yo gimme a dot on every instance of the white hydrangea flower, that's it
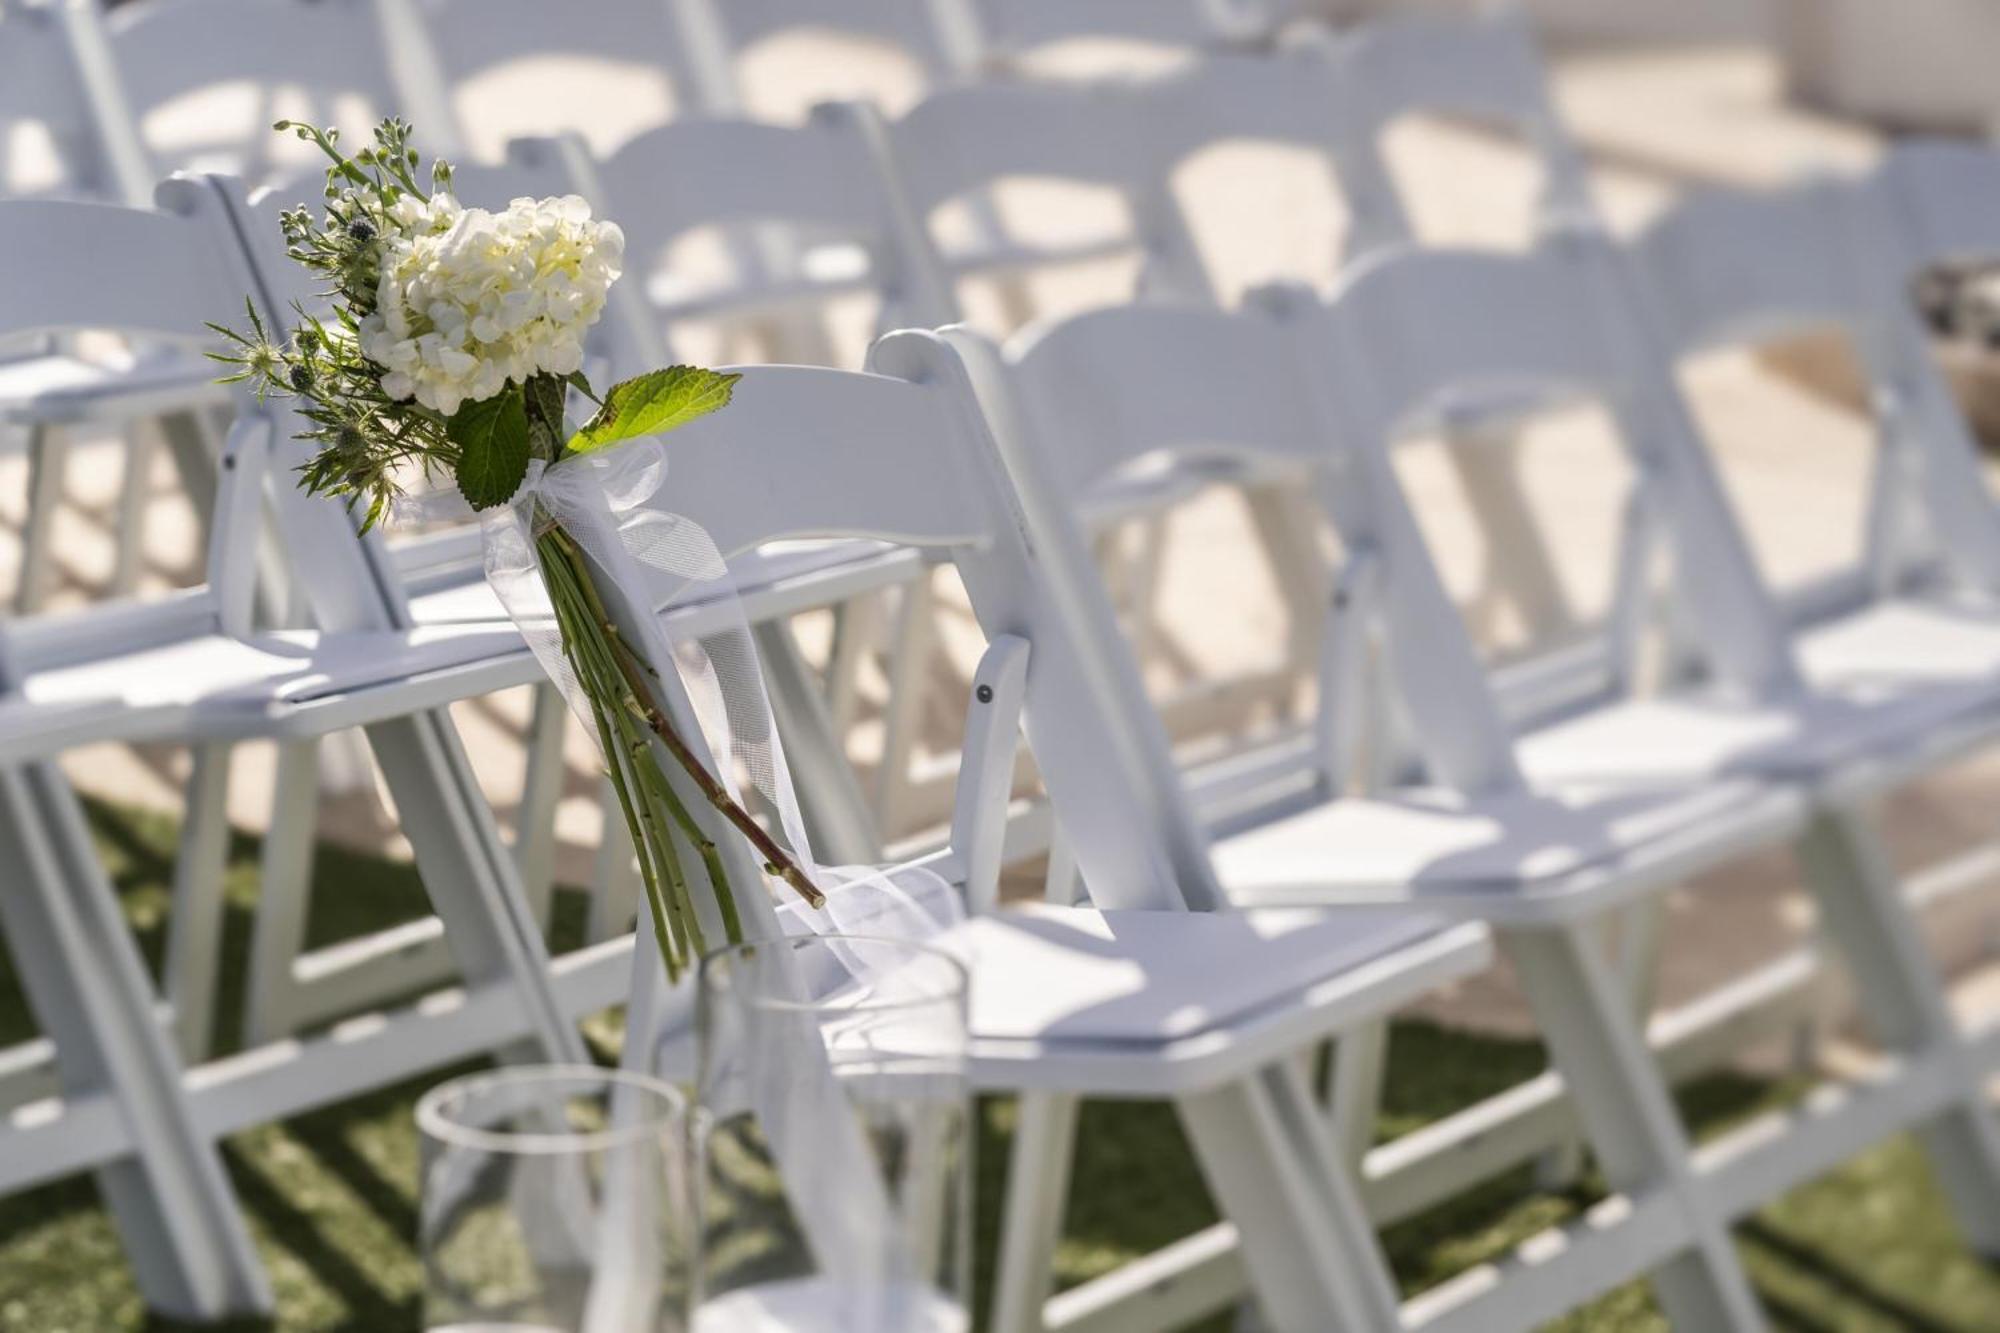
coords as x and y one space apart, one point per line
470 300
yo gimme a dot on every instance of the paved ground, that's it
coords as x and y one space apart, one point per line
1653 123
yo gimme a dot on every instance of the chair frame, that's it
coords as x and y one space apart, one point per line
922 469
511 1001
124 1110
1389 354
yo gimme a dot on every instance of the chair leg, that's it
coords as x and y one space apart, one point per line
170 1199
48 451
278 935
194 940
469 876
1062 880
1634 1129
541 793
1143 568
134 488
1315 1264
1360 1062
1905 1003
1633 941
1031 1224
909 667
195 445
1488 464
859 627
1289 533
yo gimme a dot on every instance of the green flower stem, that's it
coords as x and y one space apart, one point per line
777 861
563 598
613 682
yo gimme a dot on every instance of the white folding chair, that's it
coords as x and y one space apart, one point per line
1334 99
1836 255
1938 193
191 669
188 669
1401 338
1484 67
1108 1000
1129 138
1899 652
949 43
123 1110
1103 390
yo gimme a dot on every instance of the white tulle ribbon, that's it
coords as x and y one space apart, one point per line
609 503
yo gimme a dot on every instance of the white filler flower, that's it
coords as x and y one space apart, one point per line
471 299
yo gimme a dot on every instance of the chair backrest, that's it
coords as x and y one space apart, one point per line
1126 136
250 61
715 34
469 40
68 266
1109 389
1484 67
828 179
1411 330
903 454
156 274
49 144
1726 268
1080 401
1010 28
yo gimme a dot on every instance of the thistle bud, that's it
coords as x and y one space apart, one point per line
361 229
301 377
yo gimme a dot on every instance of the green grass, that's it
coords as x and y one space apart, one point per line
331 1195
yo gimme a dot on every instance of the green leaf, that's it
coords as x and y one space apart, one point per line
492 440
653 404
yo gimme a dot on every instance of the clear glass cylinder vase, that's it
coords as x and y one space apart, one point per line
836 1129
556 1200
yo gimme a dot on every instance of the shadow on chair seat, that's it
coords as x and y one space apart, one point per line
1159 1003
1861 729
1507 856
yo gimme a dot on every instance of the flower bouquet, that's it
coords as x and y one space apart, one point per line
452 342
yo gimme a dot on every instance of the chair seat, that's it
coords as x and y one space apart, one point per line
1880 725
1892 643
61 389
1514 856
1148 1003
216 686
